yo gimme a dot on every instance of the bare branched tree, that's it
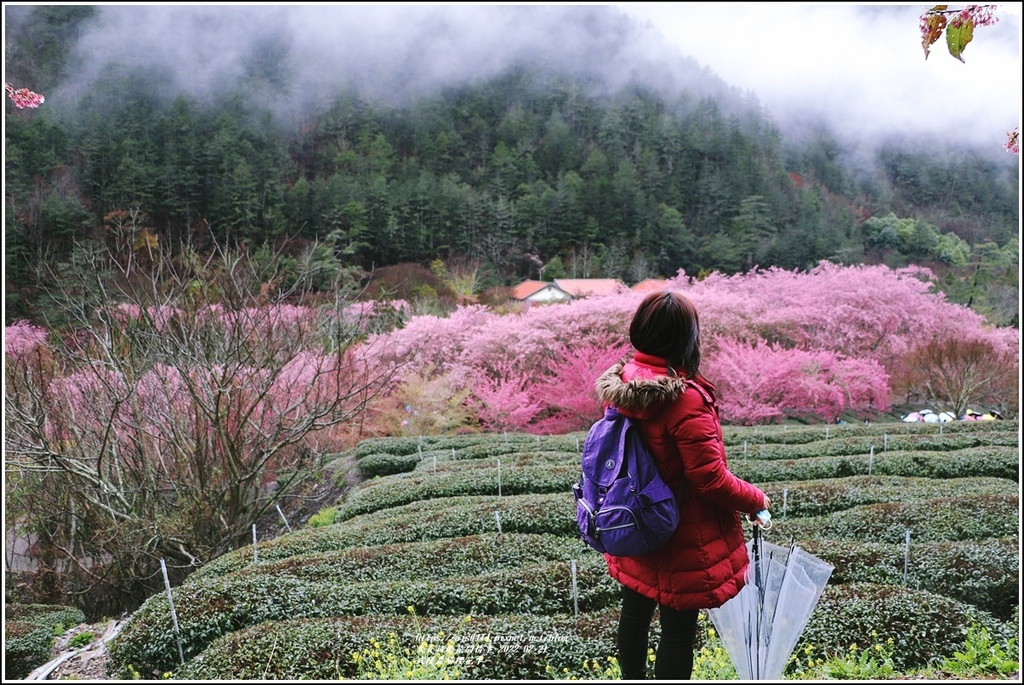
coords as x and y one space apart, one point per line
955 374
167 414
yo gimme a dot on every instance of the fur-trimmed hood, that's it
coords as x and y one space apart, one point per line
642 395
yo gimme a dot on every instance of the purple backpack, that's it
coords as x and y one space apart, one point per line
623 507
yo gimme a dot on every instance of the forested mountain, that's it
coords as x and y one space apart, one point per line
529 171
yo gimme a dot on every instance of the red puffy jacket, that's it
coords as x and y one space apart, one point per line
704 562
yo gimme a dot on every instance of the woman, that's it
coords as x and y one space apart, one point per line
704 562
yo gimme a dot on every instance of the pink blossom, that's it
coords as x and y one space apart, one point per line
568 389
979 15
763 383
503 397
23 97
1012 143
22 337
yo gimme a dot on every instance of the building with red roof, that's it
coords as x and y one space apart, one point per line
562 289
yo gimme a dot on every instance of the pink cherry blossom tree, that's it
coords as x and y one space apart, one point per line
778 343
167 416
763 383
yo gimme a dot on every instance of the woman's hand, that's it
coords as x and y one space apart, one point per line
766 521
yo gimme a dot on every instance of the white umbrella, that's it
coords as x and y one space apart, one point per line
761 625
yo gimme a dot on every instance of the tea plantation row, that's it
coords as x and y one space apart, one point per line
426 550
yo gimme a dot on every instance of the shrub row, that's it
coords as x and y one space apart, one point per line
857 508
483 441
436 559
803 496
978 572
385 464
733 435
962 517
518 647
551 513
861 450
206 610
988 461
831 495
982 573
511 460
26 647
49 615
922 625
787 434
28 634
395 491
865 445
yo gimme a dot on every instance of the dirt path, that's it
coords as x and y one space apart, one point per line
89 662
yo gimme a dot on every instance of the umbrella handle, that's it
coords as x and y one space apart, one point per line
762 519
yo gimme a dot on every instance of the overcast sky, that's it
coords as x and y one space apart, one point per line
862 66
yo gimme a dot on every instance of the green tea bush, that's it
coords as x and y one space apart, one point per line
426 537
384 464
26 647
989 461
490 443
517 646
794 435
552 513
209 609
511 460
49 615
29 631
432 558
818 497
864 445
966 517
392 492
922 625
982 573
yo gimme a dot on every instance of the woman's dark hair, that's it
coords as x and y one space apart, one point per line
666 325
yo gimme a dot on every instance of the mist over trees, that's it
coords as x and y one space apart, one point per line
528 168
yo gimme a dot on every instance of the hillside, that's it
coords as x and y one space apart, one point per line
433 551
570 169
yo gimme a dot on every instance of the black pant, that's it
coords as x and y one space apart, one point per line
674 660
